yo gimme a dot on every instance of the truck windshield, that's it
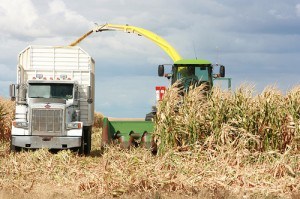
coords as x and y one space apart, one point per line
44 90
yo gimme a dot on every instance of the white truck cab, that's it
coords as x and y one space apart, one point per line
54 99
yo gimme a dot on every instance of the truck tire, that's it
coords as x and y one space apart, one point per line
81 148
87 140
13 148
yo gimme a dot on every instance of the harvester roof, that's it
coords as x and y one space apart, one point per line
192 61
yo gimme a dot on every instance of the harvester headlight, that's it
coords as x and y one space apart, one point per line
18 124
74 125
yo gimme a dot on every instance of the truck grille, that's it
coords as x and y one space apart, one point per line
47 121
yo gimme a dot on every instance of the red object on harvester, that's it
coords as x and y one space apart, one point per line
160 91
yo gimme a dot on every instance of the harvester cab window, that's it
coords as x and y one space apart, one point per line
43 90
190 71
185 71
202 73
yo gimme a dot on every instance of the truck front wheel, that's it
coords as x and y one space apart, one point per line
87 140
14 148
81 148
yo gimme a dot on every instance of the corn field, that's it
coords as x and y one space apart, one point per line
211 145
269 121
6 117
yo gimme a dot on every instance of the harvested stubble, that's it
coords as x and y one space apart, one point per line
199 173
211 147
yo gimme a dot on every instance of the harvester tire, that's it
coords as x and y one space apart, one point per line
150 116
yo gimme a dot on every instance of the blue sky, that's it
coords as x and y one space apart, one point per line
257 41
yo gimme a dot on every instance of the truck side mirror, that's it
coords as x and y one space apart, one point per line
89 95
76 92
12 92
161 70
222 71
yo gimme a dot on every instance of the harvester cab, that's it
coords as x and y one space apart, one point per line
192 72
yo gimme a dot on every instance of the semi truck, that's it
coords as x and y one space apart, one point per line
54 96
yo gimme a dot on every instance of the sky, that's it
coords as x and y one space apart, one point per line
258 41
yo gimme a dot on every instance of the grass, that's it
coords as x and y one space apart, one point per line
223 145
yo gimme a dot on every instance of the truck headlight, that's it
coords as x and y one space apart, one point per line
74 125
18 124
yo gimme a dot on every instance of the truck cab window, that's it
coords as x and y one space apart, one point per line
46 90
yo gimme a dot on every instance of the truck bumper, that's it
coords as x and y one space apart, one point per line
36 142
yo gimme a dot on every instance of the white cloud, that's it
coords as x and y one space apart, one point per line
60 12
19 18
277 14
57 6
298 10
27 20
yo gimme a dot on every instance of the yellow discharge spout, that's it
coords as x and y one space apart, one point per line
81 38
162 43
170 50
